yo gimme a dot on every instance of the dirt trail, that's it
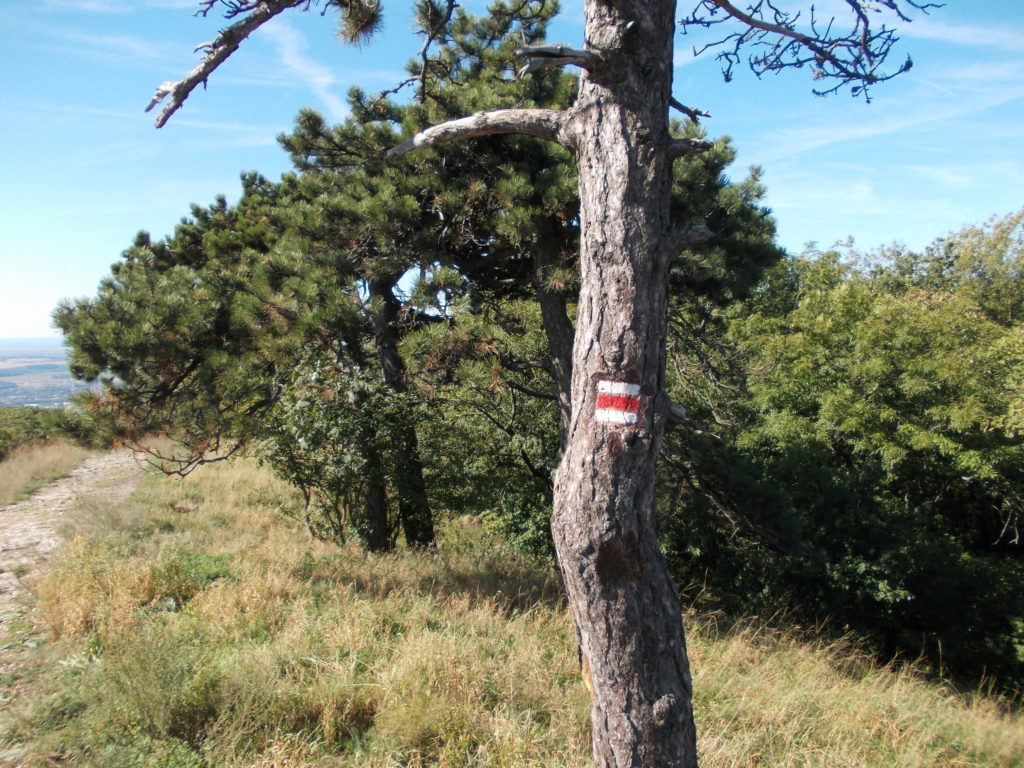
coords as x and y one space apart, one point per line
28 529
28 534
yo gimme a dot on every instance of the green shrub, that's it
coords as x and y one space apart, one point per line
24 425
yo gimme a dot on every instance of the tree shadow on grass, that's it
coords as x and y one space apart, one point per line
483 572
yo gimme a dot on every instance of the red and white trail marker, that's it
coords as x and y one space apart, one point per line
617 402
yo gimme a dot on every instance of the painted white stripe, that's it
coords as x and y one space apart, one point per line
615 416
618 388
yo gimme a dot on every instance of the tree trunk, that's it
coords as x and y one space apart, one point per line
624 603
374 528
413 507
557 325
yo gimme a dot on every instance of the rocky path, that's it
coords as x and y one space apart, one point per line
28 529
28 535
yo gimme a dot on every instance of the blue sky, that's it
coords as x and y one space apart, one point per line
84 169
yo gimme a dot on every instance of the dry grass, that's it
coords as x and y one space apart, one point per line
199 628
29 468
774 698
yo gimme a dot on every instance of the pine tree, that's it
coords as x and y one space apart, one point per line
625 606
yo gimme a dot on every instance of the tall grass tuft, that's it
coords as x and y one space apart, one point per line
196 626
29 468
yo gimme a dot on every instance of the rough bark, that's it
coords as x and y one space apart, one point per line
624 603
413 507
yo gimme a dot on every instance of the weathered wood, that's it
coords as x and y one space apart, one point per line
551 55
681 238
691 112
217 52
682 147
542 123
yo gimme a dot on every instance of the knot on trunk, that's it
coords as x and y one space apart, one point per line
618 559
663 707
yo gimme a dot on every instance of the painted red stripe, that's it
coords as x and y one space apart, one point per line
618 402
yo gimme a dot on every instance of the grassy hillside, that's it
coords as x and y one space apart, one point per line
28 468
196 626
39 445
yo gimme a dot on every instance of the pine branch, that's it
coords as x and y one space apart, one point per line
542 123
690 112
217 51
682 238
683 147
435 26
678 415
542 56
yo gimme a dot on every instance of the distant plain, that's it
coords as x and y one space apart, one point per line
35 372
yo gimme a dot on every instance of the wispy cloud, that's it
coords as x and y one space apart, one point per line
115 6
968 91
788 142
116 48
211 132
987 76
287 80
90 6
36 110
685 54
248 138
978 173
809 192
948 177
915 201
292 48
1008 37
118 153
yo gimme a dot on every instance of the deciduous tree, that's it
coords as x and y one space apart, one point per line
878 414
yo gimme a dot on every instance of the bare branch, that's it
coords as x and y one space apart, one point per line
527 391
382 96
682 147
782 39
542 56
218 51
690 112
542 123
678 414
232 8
